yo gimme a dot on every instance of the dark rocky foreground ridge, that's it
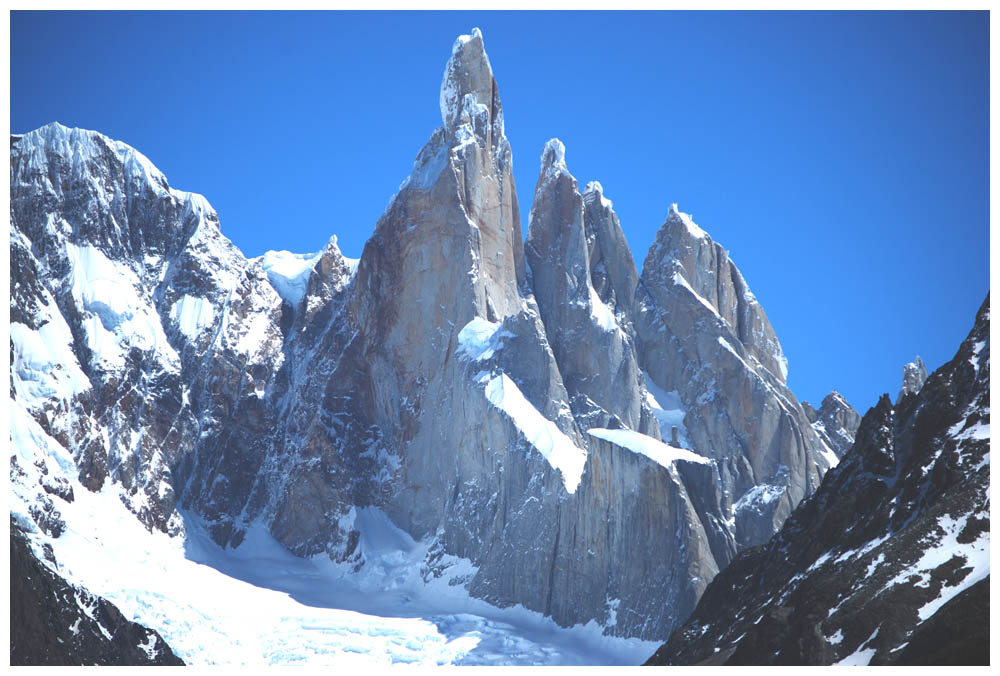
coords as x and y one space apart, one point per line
511 400
888 562
53 623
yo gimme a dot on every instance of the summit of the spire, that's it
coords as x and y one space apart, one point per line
554 153
468 80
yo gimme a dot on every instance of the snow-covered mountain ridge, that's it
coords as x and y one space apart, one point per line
507 403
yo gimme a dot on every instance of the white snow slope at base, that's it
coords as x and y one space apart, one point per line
260 605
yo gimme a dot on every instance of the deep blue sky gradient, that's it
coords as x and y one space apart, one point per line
841 158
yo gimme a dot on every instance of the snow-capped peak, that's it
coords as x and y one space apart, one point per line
687 220
83 148
554 158
468 72
81 145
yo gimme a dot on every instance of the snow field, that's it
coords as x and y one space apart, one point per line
667 409
259 605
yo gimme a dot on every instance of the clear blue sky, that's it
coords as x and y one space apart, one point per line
841 158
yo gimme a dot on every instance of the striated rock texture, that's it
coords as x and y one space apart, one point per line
702 334
914 375
573 249
836 422
511 404
53 623
888 563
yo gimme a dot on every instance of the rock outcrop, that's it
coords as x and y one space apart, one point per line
836 422
914 375
892 549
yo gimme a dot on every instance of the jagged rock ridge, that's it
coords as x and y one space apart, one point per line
836 422
888 562
513 403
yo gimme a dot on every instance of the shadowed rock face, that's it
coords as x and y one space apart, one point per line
506 401
888 562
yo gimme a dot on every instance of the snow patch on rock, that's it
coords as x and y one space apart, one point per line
192 315
479 339
688 222
560 451
667 409
657 451
601 313
44 367
116 318
596 188
759 497
679 280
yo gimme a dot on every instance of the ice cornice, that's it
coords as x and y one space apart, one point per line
593 190
553 159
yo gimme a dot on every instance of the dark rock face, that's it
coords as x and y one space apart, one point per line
507 401
958 634
888 561
54 623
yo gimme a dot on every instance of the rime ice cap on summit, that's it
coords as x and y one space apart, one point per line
554 153
553 160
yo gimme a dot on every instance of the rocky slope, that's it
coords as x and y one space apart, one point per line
888 563
510 403
56 624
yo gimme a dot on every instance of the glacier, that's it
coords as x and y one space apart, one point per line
259 605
